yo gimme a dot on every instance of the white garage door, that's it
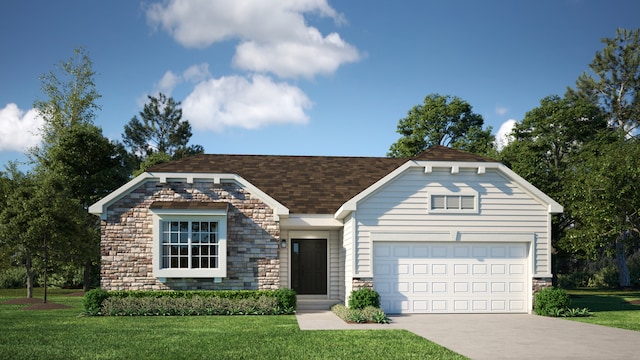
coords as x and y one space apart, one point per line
418 277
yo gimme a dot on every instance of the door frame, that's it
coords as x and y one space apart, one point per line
308 235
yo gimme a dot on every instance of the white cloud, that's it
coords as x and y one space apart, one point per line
18 129
503 136
274 36
196 73
168 83
249 103
501 110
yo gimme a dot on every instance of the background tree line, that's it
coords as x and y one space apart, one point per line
580 148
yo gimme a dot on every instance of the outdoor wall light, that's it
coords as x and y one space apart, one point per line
283 243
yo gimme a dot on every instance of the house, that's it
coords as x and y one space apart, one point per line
443 232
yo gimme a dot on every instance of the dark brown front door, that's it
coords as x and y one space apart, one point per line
309 266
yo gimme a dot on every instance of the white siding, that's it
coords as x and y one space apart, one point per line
401 206
347 256
333 290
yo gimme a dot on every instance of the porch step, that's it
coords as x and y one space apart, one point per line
316 304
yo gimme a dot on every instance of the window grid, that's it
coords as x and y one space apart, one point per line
189 240
452 202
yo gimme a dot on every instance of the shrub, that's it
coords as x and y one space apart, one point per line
93 300
368 314
199 302
607 277
13 278
364 297
196 305
549 300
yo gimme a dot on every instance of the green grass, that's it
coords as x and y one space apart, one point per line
609 307
65 334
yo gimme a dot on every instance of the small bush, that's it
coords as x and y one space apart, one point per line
93 300
549 300
364 297
369 314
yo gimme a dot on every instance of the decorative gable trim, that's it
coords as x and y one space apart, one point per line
100 207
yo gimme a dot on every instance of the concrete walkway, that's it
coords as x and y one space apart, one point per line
501 336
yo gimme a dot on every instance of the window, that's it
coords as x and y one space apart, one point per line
189 244
460 203
190 240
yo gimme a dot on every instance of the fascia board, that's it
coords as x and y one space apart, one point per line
99 208
552 206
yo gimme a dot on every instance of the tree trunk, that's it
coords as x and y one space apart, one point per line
621 260
29 271
46 265
86 276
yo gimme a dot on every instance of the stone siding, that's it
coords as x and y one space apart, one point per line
253 237
359 283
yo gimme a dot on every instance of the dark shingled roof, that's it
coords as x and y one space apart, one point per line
308 184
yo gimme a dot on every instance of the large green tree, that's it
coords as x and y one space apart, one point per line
614 85
604 199
159 130
544 146
442 120
92 166
75 155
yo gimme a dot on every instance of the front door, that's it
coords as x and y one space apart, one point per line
309 266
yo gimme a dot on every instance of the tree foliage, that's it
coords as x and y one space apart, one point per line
614 84
544 144
160 129
442 120
604 199
71 98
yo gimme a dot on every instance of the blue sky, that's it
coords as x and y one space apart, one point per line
300 77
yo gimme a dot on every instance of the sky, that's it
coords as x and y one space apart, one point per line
299 77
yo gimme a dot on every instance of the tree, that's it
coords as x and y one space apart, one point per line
160 130
92 167
13 239
545 144
441 120
74 158
605 200
614 87
615 83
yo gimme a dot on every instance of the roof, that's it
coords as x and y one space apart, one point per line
309 184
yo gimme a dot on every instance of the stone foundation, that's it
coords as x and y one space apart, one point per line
253 237
359 283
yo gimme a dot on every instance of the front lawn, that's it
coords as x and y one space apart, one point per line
63 334
614 308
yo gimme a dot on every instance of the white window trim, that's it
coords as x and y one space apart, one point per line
176 215
476 203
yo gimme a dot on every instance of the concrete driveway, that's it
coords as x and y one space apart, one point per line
503 336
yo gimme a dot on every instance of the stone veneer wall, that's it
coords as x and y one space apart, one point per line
127 239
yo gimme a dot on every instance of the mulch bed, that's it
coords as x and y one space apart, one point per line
36 304
634 302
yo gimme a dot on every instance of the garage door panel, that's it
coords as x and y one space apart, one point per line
449 278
